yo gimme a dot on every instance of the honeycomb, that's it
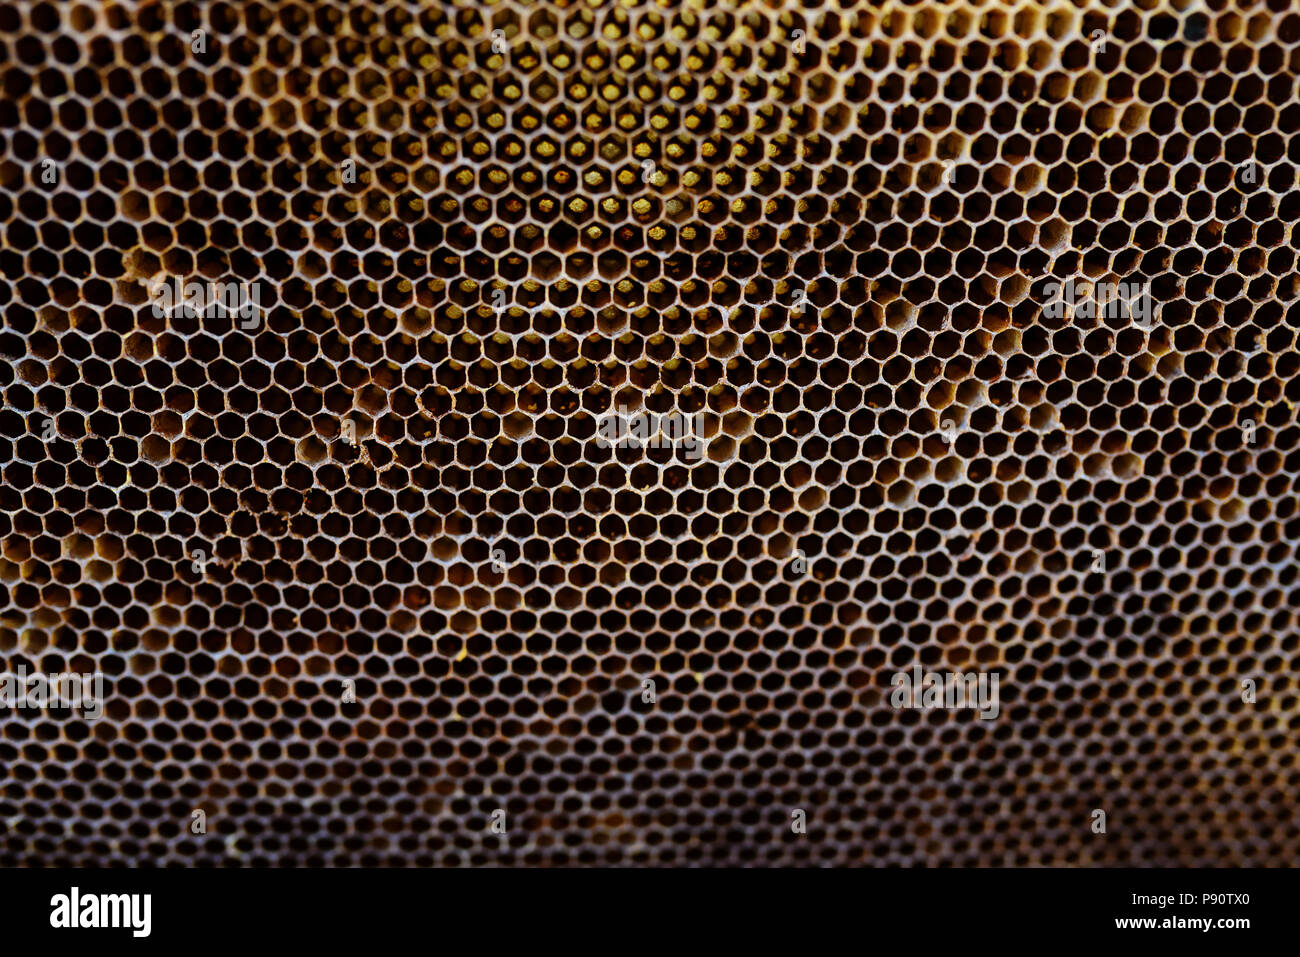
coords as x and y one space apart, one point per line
366 586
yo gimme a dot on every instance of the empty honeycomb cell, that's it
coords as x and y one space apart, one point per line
368 583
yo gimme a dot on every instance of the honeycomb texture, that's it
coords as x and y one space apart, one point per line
477 227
